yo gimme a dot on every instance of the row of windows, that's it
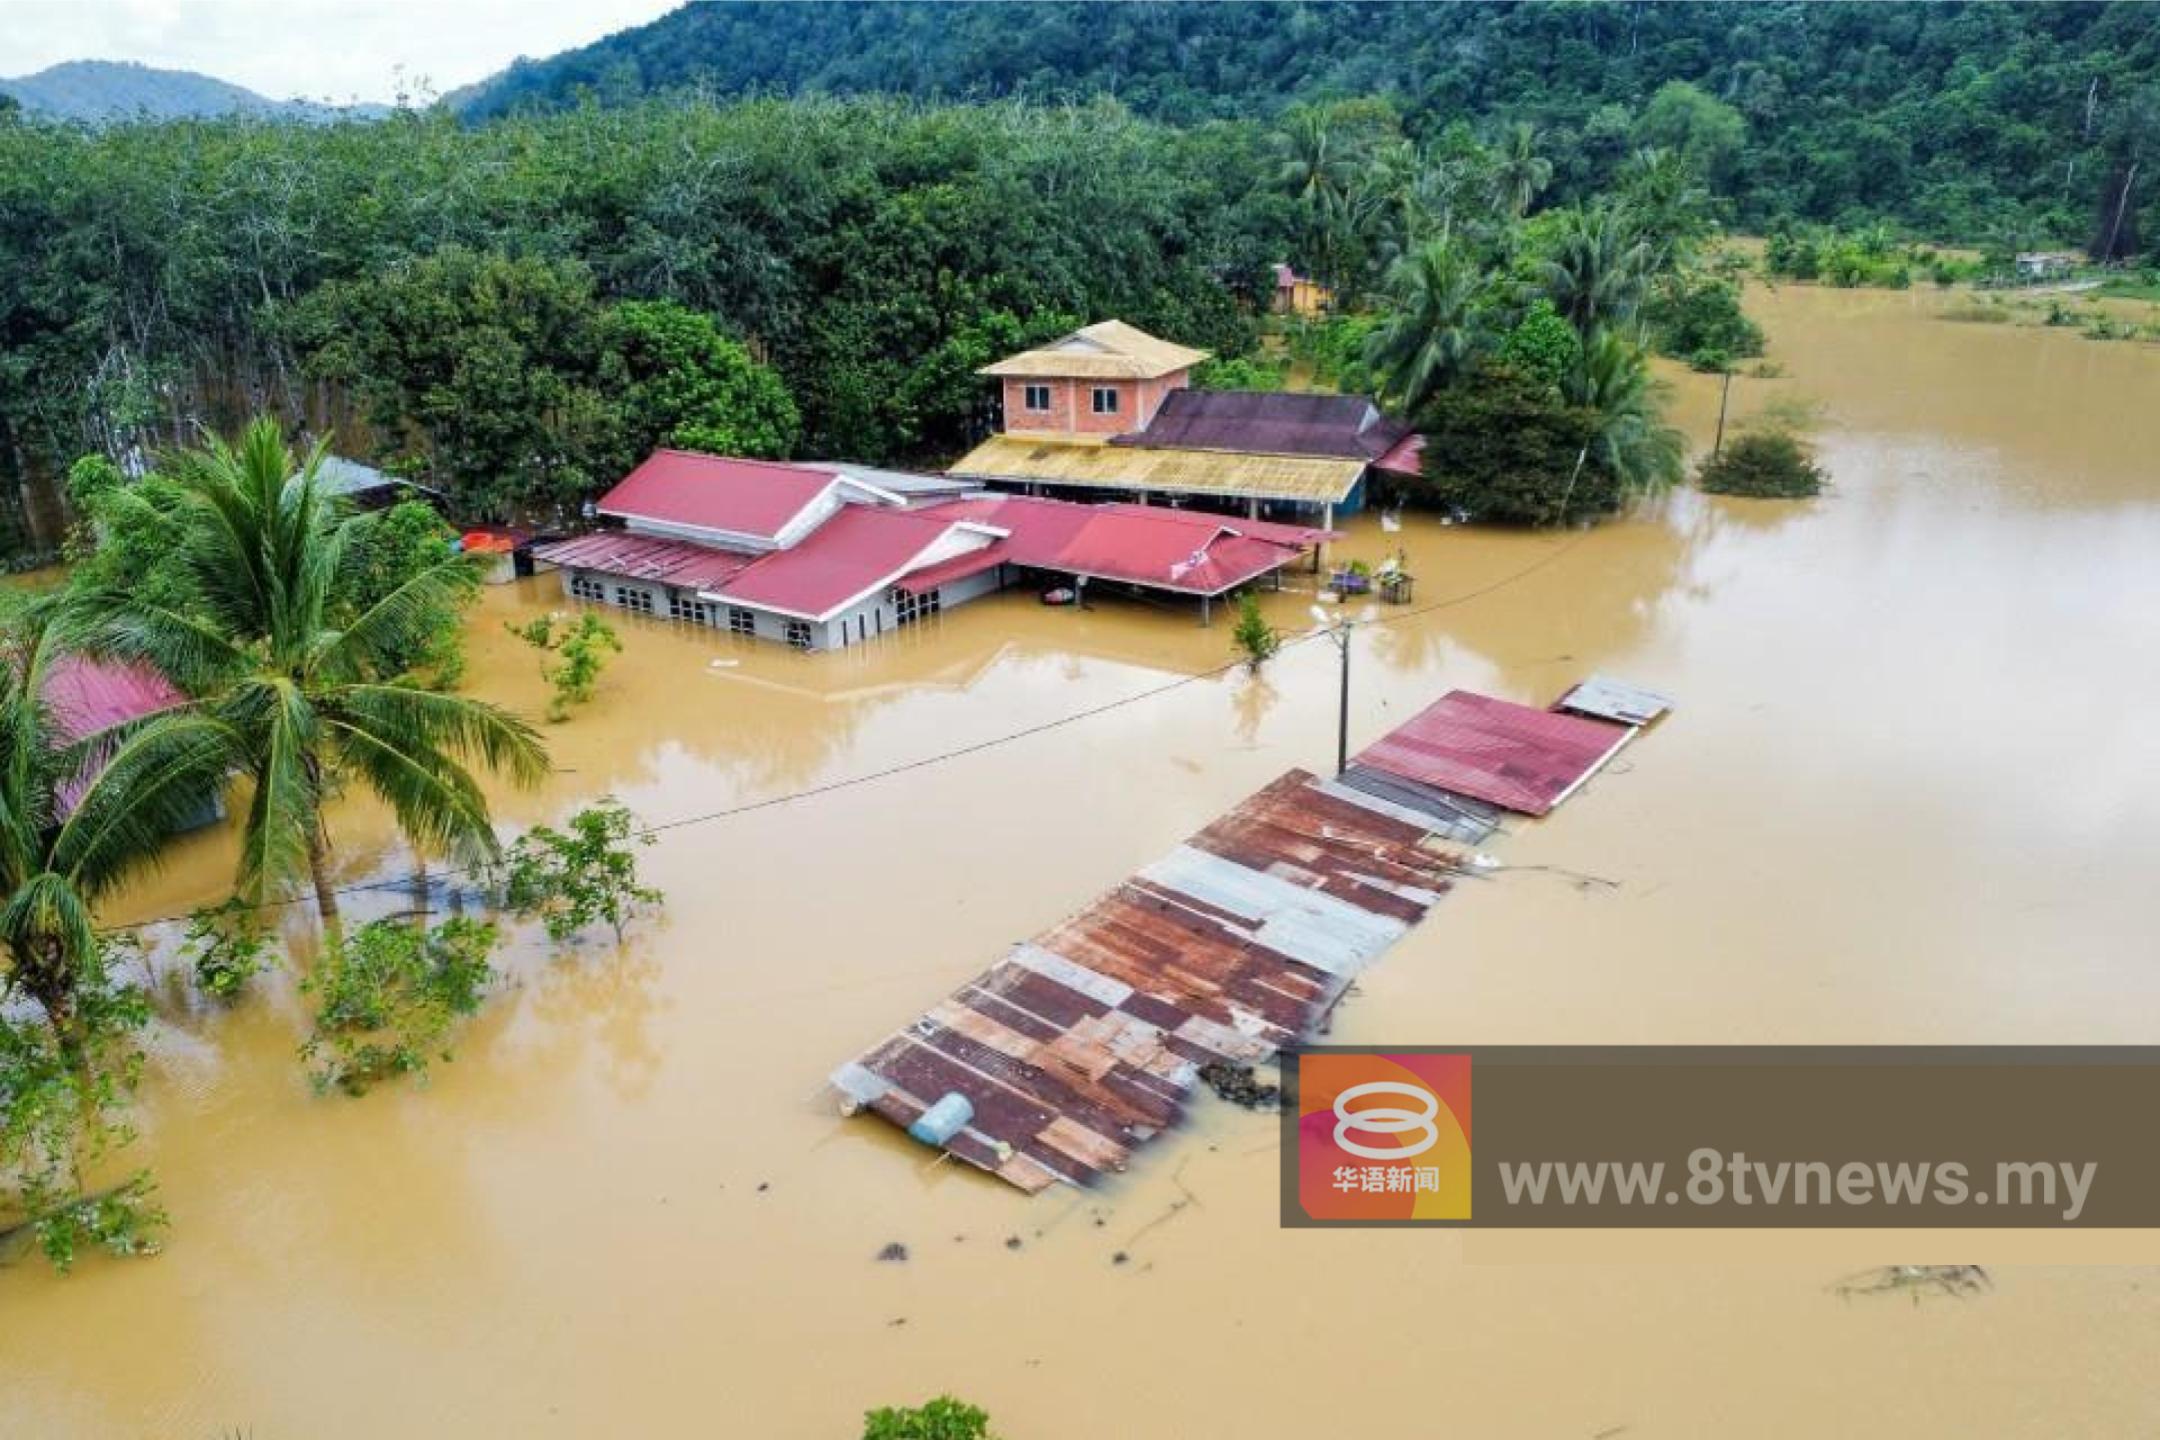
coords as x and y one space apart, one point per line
637 601
908 608
1036 398
584 587
682 606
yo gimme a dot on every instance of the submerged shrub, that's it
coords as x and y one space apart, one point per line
388 997
944 1418
1765 464
63 1115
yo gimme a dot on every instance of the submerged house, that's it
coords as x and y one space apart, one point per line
1297 294
823 555
1142 433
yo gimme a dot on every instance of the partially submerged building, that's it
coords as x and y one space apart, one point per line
825 555
1108 411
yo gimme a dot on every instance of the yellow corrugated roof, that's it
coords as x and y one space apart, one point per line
1308 479
1107 350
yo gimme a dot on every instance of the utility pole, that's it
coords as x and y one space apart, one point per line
1339 631
1724 398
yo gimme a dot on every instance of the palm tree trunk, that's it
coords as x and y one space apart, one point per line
326 903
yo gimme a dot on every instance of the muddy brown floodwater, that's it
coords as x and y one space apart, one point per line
1910 794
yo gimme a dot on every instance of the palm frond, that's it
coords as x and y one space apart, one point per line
149 786
286 809
436 802
466 728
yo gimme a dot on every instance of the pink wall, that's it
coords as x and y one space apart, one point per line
1072 405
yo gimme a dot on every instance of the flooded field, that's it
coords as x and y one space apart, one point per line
1909 795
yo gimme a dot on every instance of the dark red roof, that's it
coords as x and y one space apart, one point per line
645 557
1493 750
86 696
848 556
1265 422
1405 457
1184 550
708 492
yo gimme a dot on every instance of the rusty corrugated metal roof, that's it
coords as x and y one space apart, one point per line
1509 755
644 557
1086 1041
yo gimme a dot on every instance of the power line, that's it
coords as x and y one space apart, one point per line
924 762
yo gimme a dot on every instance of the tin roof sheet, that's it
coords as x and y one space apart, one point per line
1509 755
1310 480
645 557
1269 422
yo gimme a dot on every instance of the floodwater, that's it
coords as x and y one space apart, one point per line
1909 795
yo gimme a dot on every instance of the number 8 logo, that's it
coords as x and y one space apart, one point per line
1386 1120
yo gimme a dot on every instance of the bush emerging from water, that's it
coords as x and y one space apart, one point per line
388 997
1767 464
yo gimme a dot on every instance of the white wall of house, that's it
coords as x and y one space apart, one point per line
880 614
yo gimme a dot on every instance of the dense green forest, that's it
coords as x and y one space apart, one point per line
1950 118
518 306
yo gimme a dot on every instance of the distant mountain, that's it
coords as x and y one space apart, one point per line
98 90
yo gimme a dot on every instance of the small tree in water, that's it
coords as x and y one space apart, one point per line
1254 637
581 649
388 996
572 879
64 1112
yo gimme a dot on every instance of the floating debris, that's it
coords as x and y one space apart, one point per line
894 1251
1239 1084
1960 1282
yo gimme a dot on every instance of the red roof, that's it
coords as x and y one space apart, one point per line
86 696
644 557
1185 550
1506 754
849 556
708 492
1405 457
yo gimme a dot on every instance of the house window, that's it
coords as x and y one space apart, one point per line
908 607
584 587
1037 398
741 621
640 601
1106 400
798 634
682 606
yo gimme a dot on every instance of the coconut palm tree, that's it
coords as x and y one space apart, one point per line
1599 269
1436 328
1520 174
1630 439
79 817
1312 162
298 681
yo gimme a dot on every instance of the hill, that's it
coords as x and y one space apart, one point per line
1952 117
99 90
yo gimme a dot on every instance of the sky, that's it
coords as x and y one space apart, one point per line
338 50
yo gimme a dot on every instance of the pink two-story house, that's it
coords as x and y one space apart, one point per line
1107 379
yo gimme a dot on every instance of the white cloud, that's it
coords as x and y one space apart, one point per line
317 49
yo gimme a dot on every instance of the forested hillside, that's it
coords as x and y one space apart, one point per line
1948 117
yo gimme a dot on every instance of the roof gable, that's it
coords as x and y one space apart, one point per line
1106 350
753 499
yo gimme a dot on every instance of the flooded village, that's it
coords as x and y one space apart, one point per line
688 730
639 1149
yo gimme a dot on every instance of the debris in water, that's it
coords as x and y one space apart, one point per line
1120 1258
1957 1281
763 1186
1239 1085
718 663
1012 1242
893 1251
